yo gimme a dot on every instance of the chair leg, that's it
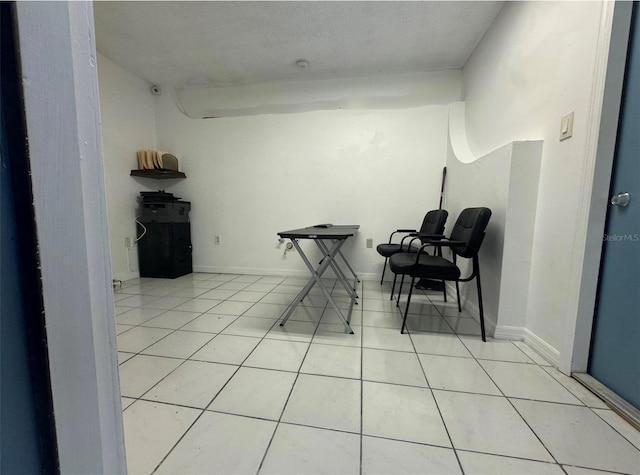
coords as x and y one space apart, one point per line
400 291
406 310
444 290
484 338
393 288
458 295
383 269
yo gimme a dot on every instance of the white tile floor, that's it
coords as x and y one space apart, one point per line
211 384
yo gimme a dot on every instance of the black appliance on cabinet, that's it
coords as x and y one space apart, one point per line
164 235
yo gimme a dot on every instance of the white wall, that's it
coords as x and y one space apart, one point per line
128 124
390 91
482 183
250 177
536 64
504 181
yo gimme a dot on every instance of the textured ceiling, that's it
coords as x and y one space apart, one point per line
204 44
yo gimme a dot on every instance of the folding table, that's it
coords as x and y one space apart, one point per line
329 238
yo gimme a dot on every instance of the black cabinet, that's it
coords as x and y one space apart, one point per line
165 249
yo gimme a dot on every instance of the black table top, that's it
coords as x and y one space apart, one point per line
322 231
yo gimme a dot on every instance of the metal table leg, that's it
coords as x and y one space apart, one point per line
316 275
351 290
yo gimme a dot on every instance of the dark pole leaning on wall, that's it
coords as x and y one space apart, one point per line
444 176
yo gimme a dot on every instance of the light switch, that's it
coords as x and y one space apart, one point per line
566 126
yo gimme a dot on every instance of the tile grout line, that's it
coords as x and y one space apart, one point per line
612 427
177 329
435 401
503 395
185 432
362 380
203 410
362 299
513 406
284 407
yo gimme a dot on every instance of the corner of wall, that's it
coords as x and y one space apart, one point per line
520 218
128 123
506 181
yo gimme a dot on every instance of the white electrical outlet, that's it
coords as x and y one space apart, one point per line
132 258
216 240
369 243
127 242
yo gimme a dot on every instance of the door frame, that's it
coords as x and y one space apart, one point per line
56 46
576 351
612 104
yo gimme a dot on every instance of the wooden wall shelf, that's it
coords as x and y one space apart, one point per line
158 174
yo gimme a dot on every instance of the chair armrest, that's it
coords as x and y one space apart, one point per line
442 243
421 236
400 231
433 239
431 236
413 237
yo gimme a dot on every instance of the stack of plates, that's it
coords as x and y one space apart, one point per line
156 160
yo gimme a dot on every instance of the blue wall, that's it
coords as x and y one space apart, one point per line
19 449
27 428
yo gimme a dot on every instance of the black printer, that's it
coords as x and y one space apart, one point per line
162 207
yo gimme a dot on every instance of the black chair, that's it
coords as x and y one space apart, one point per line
432 224
465 240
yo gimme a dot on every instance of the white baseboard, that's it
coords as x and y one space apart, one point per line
504 332
471 308
544 349
277 272
249 271
533 341
124 276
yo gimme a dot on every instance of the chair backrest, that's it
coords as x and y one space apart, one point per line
470 228
433 222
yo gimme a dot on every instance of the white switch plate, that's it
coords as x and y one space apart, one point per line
566 126
369 243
